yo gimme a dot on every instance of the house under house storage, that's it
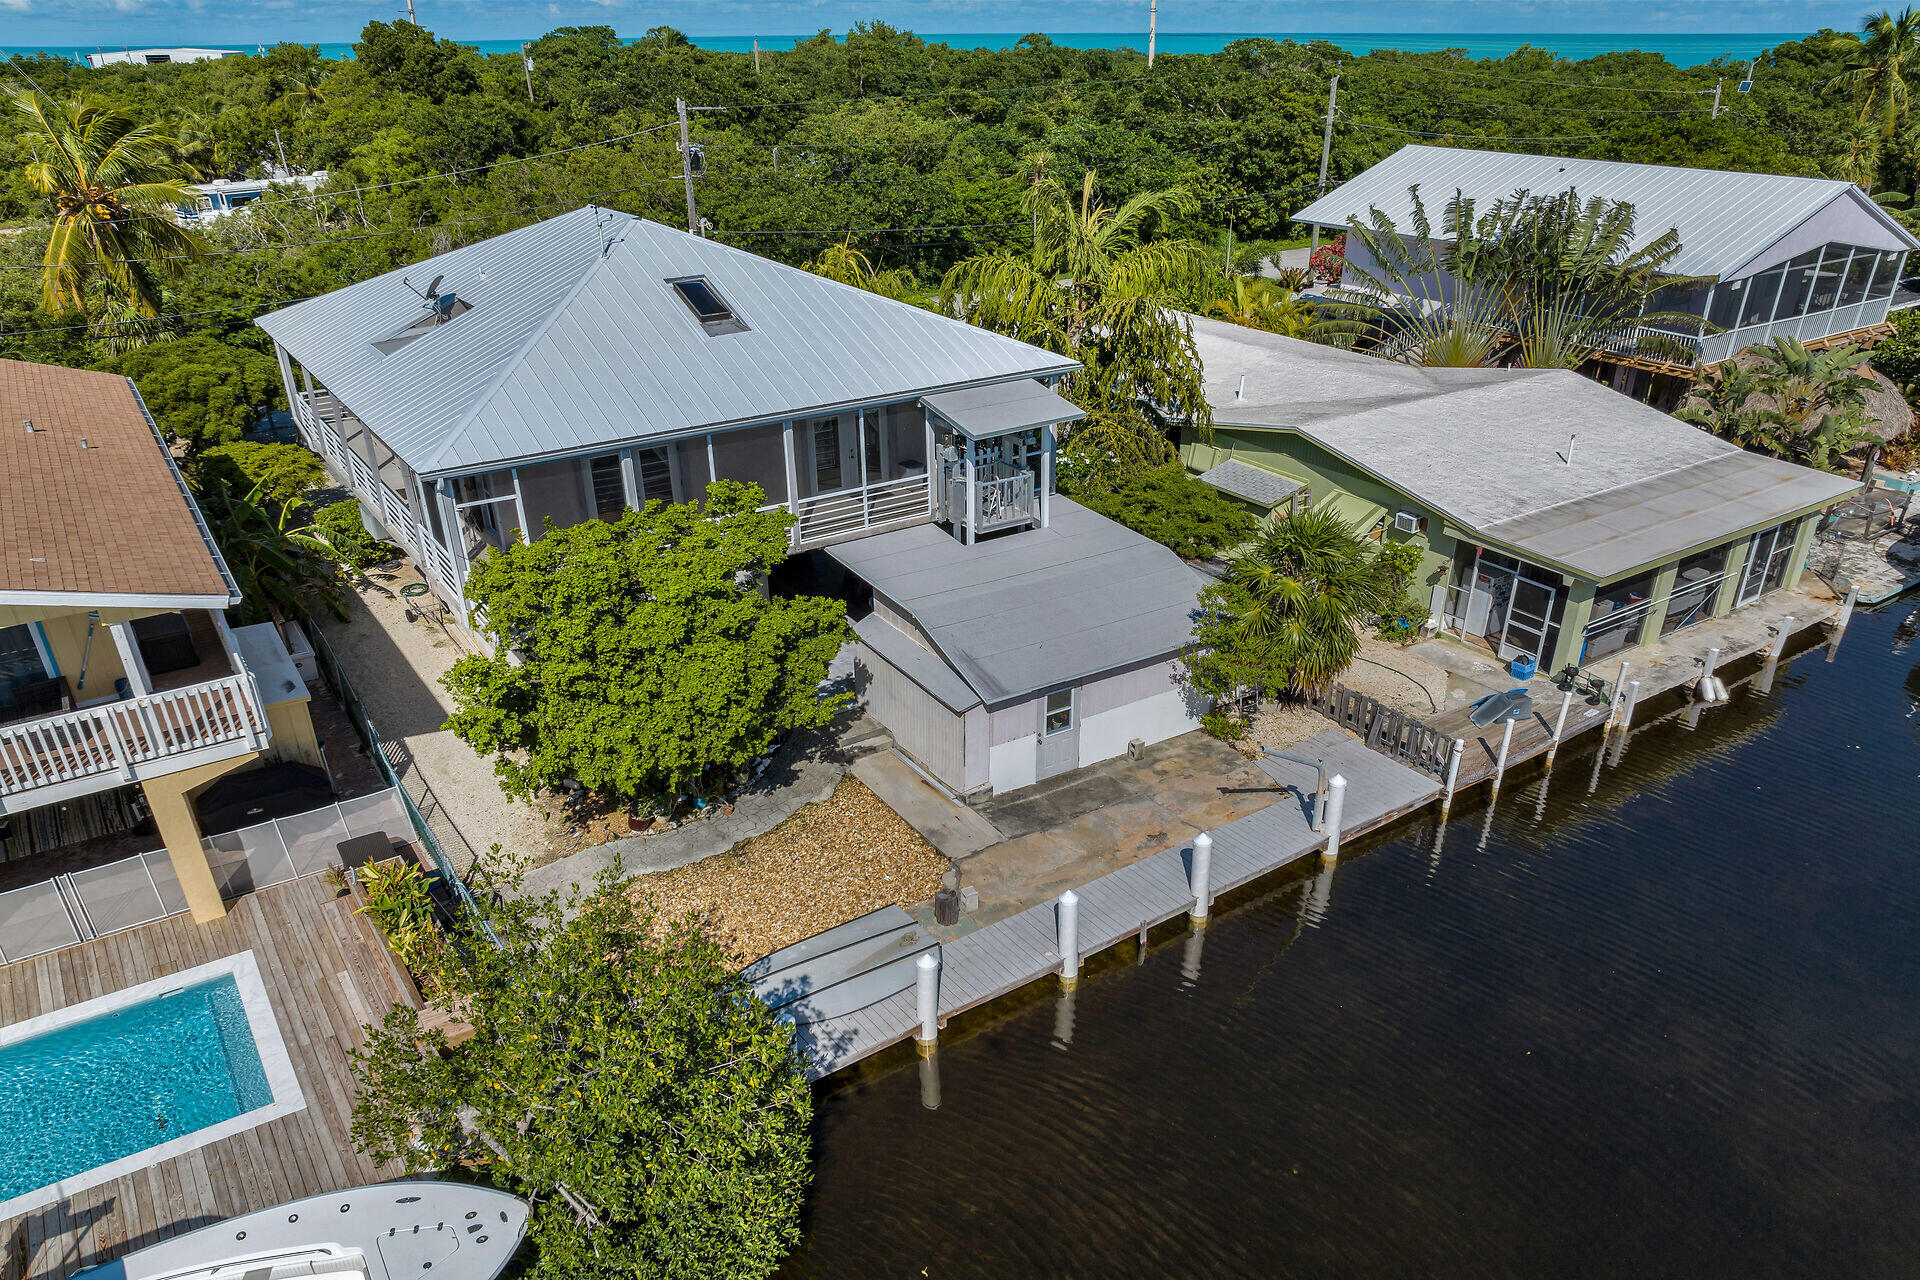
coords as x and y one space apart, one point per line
595 362
124 693
1807 258
1558 519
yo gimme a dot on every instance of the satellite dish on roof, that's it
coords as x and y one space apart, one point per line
433 290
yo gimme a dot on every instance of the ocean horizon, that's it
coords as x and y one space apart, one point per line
1684 49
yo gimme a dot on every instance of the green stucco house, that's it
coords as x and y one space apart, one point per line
1559 519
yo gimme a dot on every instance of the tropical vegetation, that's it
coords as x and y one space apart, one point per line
620 1076
1787 400
641 658
1194 520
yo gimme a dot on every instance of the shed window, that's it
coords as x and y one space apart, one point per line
1059 717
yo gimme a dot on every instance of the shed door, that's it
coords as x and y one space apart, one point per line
1059 749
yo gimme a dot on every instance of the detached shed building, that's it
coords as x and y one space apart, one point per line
1026 655
1558 518
1808 258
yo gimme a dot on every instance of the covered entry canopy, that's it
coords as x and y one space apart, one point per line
1002 408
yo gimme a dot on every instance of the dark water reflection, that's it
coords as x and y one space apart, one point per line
1666 1029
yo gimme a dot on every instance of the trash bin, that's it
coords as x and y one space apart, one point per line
1523 666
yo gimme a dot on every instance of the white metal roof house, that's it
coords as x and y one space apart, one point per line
593 362
216 199
1558 518
1811 258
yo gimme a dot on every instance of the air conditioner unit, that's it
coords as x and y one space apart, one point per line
1409 522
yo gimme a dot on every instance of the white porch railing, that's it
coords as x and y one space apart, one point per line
872 506
120 736
1004 502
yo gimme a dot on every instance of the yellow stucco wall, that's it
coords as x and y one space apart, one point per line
66 635
294 739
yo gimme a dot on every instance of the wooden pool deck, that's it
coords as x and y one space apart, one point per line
326 976
1001 957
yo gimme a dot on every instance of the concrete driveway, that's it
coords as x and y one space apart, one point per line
1071 829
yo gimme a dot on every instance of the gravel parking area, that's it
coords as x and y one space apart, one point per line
831 861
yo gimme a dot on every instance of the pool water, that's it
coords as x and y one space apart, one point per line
96 1091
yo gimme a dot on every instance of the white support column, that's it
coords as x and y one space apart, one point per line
1453 775
973 491
1046 475
1559 726
520 507
933 501
138 681
1780 641
1629 701
927 998
793 467
1500 765
713 468
1619 689
629 482
1336 803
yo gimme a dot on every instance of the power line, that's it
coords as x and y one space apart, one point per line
1474 137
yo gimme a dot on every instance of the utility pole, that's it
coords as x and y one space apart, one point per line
1326 150
1716 99
527 60
1153 28
686 168
410 14
286 170
756 55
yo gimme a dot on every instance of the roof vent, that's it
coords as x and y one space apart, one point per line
708 307
28 424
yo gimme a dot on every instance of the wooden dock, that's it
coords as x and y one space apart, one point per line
992 961
326 976
1530 736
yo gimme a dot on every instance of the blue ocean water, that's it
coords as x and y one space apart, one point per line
1684 49
96 1091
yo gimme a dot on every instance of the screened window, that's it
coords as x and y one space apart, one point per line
1887 273
1728 296
1793 293
609 490
1853 288
654 474
1826 282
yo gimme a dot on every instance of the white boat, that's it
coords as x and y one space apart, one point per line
386 1231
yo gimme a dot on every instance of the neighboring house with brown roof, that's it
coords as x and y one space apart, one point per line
123 691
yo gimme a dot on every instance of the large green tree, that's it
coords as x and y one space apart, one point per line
1287 615
114 183
646 658
620 1076
203 391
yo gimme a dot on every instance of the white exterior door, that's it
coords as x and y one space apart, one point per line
1059 747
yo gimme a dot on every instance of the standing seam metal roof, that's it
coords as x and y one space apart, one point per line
1724 219
576 341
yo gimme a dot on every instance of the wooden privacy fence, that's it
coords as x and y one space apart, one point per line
1391 732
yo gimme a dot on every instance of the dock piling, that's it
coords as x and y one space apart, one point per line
1069 938
1201 879
1336 801
1559 725
1628 703
1780 641
1453 775
1619 689
1840 623
1500 765
927 992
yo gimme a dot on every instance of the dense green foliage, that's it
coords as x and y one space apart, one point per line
204 391
648 660
341 526
1287 616
1788 401
280 474
1166 504
933 146
620 1076
1898 354
281 568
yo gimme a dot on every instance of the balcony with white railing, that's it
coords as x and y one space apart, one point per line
868 508
206 708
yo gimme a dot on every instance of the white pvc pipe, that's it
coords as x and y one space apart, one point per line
1619 689
1559 725
1069 940
1713 660
1336 801
928 992
1202 877
1500 765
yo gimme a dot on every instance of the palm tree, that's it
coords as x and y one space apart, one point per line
1721 402
281 569
1542 282
1287 615
848 265
114 183
1877 77
1102 285
1858 158
1260 303
1818 397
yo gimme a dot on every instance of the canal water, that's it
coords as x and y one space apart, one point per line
1668 1028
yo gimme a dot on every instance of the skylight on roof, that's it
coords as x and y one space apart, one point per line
708 307
441 308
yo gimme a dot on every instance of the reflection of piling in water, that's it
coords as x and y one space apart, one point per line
1319 897
930 1081
1599 758
1540 803
1190 956
1063 1019
1486 823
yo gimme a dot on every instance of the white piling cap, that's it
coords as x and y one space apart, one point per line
1068 898
926 960
1203 838
1337 780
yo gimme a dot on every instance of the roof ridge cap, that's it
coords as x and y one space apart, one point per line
539 331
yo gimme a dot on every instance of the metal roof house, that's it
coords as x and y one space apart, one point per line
594 362
1558 518
155 57
1810 258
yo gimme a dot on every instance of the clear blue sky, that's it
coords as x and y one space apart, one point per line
77 22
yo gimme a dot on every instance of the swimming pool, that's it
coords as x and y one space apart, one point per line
135 1077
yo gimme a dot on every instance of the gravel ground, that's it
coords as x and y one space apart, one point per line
831 861
396 666
1398 677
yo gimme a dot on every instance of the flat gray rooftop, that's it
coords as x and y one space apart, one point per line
1035 610
1544 460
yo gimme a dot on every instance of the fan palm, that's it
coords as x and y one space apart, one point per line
114 184
1877 78
1259 303
1101 285
1288 613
